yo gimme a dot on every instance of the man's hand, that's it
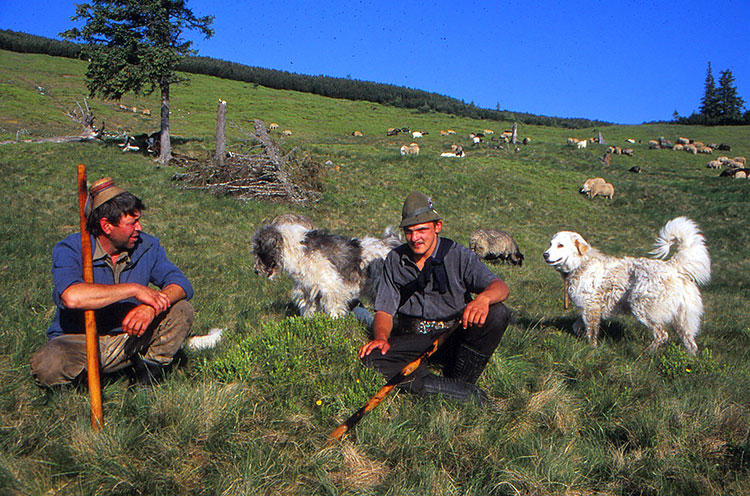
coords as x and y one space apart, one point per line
155 299
475 312
375 344
138 319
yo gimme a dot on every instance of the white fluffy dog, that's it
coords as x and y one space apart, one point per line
329 271
656 292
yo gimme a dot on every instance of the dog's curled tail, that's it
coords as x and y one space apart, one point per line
692 255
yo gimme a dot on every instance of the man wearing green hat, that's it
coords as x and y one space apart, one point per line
425 288
140 328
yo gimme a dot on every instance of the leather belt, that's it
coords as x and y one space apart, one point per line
413 325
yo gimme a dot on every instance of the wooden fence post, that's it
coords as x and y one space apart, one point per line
221 139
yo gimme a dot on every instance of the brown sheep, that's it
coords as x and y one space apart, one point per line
605 190
589 184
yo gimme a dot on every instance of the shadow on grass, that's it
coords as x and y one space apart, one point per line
608 329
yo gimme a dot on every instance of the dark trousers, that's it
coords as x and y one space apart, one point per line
406 348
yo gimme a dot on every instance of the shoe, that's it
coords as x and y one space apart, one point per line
146 373
452 388
468 364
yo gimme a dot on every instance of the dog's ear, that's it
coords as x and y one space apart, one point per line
581 245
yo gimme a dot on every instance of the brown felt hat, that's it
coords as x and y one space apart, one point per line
418 209
101 191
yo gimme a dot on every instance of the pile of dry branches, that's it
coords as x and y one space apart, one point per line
266 174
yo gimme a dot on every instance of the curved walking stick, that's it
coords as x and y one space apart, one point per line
92 339
394 381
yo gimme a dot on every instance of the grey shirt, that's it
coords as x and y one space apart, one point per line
466 274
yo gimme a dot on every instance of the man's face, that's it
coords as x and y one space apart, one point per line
125 234
422 238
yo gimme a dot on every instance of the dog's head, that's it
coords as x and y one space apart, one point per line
566 250
267 249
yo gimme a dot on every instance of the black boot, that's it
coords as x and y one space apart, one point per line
468 364
145 372
455 389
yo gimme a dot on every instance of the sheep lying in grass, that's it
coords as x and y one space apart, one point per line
495 246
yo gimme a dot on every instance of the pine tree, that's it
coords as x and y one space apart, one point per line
135 45
709 102
730 103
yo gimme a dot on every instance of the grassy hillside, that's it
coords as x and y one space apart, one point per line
252 416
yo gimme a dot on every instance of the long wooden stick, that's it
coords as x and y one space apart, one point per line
92 339
394 381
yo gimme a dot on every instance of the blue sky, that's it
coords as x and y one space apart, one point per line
625 62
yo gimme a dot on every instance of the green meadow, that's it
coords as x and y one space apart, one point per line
253 415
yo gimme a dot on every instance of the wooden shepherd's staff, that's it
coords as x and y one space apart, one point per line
394 381
92 339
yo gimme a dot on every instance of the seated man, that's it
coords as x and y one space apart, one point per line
137 325
425 288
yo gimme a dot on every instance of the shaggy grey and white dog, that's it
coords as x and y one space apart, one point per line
329 271
657 292
492 245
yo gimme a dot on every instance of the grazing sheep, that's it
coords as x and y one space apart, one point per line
287 132
691 149
630 140
419 134
357 133
605 190
273 126
706 150
678 147
724 147
712 145
134 110
724 160
741 160
740 174
495 246
488 131
714 164
411 149
526 141
683 141
443 132
124 107
393 131
628 152
477 140
635 168
146 112
589 184
581 144
451 131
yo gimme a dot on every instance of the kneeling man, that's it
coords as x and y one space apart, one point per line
426 287
138 326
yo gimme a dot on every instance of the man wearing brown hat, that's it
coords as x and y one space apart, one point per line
426 287
140 328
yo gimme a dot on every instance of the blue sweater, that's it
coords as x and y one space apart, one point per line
148 264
